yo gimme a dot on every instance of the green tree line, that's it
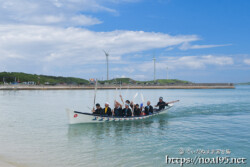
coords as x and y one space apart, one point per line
20 77
42 79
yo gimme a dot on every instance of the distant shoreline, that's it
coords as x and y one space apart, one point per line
89 87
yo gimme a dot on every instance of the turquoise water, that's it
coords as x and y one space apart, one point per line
34 130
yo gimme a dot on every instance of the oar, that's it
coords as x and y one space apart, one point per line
126 94
166 103
95 92
142 99
85 113
115 94
135 96
115 99
120 89
172 101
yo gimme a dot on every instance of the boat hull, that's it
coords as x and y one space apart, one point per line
76 117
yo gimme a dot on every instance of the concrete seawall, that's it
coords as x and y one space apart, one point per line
69 87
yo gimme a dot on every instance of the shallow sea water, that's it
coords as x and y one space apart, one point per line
34 129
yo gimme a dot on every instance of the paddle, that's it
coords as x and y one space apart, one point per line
120 89
126 93
166 104
142 99
115 94
135 96
95 92
172 101
115 100
85 113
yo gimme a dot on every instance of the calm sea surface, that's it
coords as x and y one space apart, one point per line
34 129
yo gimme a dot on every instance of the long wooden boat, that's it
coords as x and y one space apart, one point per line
76 117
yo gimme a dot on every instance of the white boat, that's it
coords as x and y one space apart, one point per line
76 117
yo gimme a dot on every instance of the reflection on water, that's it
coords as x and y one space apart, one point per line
114 140
116 129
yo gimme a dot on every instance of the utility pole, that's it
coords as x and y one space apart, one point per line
154 67
107 58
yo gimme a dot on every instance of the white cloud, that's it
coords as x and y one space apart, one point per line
187 62
123 69
46 19
140 77
85 20
186 46
39 36
52 12
123 76
246 61
59 47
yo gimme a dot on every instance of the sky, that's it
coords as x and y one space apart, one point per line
194 40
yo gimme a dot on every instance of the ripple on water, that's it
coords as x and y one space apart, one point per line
34 129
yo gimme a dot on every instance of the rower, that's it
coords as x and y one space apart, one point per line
107 110
137 110
98 109
161 104
127 102
148 109
126 112
117 111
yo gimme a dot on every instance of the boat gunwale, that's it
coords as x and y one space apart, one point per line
141 116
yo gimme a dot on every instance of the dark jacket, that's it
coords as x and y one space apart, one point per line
161 105
109 113
148 109
126 112
137 112
98 111
118 112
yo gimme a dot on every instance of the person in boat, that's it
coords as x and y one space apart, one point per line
117 111
148 109
126 112
131 104
127 102
161 104
98 109
137 110
107 110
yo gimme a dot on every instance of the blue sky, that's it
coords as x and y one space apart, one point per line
199 41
